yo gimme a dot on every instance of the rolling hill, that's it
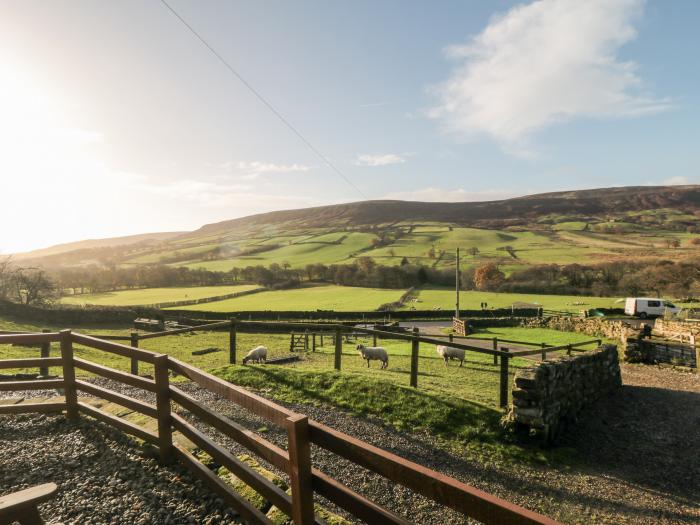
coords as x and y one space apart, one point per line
561 227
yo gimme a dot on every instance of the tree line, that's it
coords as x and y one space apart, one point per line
33 285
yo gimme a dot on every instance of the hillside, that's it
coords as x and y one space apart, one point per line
91 244
519 210
561 227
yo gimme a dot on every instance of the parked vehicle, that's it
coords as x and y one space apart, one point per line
644 307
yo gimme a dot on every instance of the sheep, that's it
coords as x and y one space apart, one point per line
447 353
257 354
374 352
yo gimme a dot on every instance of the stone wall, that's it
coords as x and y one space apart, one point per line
678 330
653 351
68 316
549 396
594 326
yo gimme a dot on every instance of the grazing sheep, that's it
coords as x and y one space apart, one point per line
447 353
374 352
257 355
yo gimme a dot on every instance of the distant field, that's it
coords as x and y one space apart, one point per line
477 381
339 298
153 295
444 298
557 240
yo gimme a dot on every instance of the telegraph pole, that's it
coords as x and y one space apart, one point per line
457 287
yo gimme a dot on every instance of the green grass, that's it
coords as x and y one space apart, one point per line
555 239
458 405
444 298
330 248
153 295
330 297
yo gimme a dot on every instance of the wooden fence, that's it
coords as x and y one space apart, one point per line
501 354
296 461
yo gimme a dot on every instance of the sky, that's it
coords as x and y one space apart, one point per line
116 120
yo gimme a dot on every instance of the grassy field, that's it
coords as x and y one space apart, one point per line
476 381
459 406
153 295
444 298
330 297
563 242
329 248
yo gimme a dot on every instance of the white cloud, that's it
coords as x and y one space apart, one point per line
245 198
676 181
545 62
253 169
379 160
442 195
374 104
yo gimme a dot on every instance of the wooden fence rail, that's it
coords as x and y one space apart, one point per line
338 330
296 462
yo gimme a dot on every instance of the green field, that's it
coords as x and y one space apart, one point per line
457 405
312 298
147 296
329 248
476 381
444 298
563 243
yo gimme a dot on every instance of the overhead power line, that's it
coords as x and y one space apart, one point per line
262 99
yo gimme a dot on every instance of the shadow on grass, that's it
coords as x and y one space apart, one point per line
401 406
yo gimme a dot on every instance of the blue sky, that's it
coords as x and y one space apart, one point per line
128 124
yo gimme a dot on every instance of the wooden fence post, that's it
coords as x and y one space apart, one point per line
495 347
300 470
544 352
134 360
232 343
321 339
165 434
568 350
45 352
374 339
69 375
338 348
414 358
306 341
504 379
291 342
313 342
451 337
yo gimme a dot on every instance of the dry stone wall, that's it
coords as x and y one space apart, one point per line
679 330
652 352
549 396
595 326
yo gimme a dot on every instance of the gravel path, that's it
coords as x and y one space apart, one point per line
103 477
639 457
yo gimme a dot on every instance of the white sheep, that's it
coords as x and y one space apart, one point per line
447 353
374 352
257 354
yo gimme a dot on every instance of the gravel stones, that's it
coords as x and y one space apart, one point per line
103 475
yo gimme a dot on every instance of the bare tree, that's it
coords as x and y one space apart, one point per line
33 286
5 277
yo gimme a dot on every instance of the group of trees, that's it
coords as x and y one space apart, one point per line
25 285
659 277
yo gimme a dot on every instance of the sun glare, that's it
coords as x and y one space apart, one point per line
46 158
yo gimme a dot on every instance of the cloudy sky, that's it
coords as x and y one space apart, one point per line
115 119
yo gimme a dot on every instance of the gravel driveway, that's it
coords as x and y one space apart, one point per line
103 477
639 460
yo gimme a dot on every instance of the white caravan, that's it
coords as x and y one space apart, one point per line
649 307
